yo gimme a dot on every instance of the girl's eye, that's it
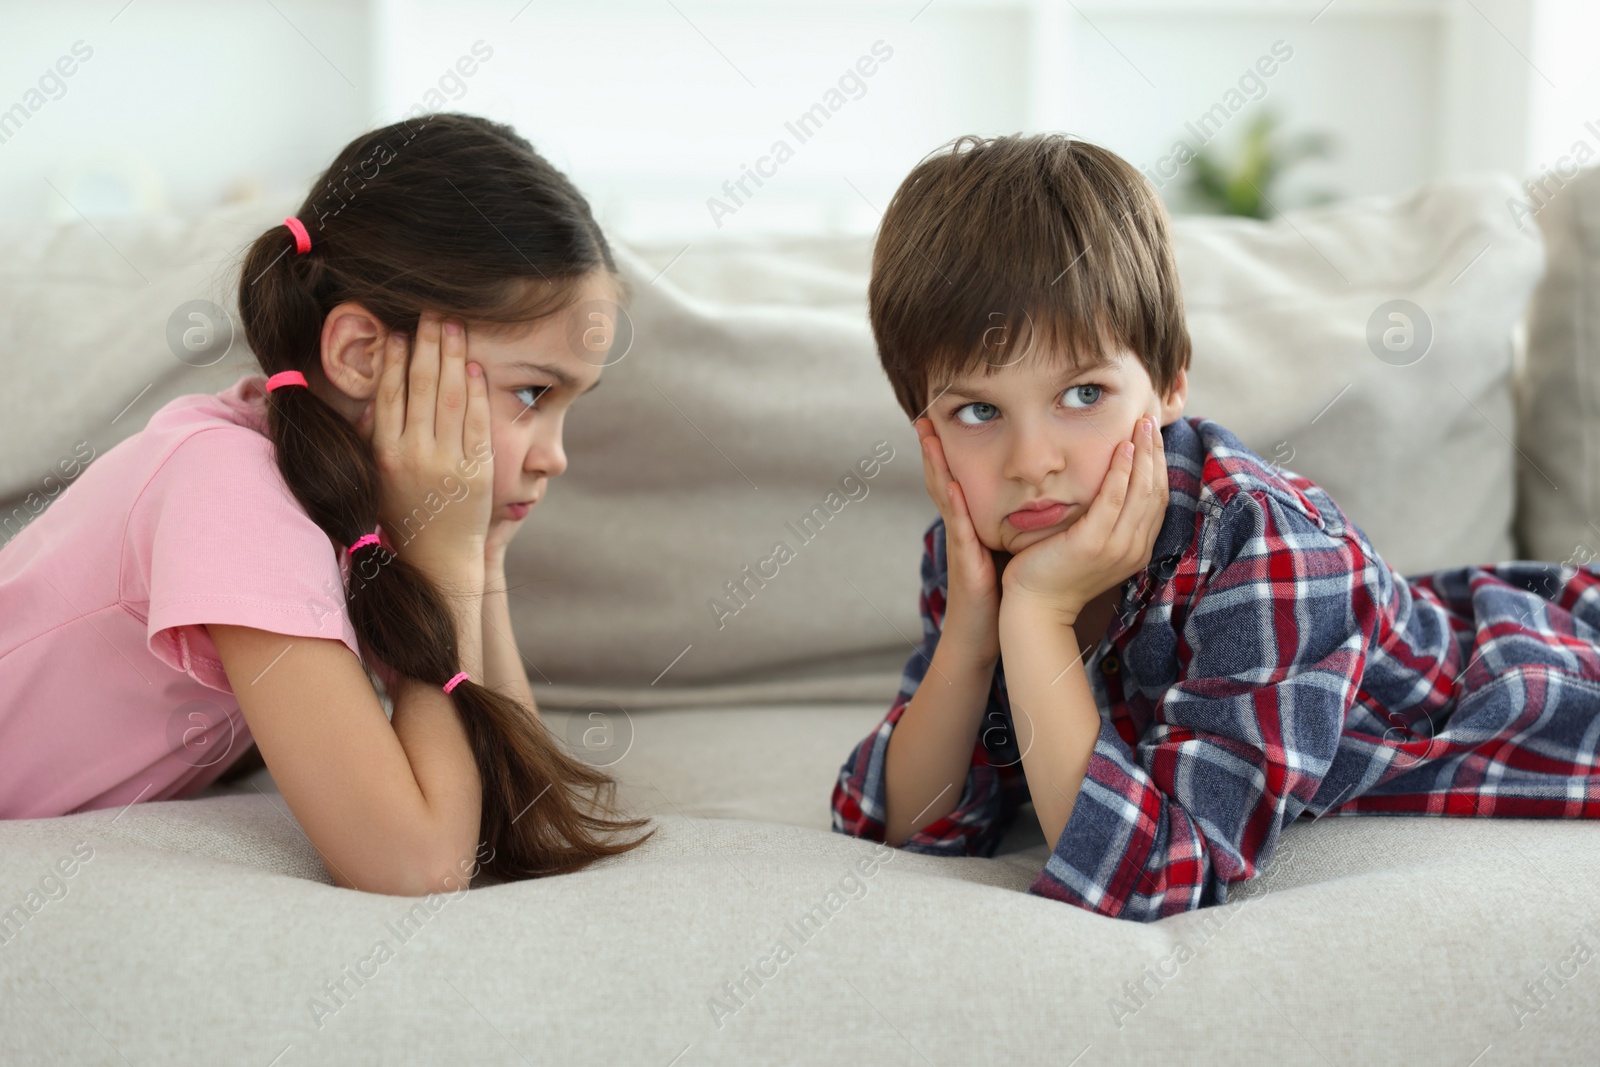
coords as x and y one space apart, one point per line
976 413
1077 391
537 391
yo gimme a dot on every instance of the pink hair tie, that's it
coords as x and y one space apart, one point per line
457 680
286 377
302 239
364 539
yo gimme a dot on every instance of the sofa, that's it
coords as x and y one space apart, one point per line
742 391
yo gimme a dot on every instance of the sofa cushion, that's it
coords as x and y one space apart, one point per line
1558 423
207 931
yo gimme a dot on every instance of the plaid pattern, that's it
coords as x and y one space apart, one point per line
1266 666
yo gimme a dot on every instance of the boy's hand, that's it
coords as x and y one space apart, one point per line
972 612
1112 540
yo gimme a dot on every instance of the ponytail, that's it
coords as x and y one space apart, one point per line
544 811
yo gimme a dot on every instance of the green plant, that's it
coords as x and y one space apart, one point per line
1245 185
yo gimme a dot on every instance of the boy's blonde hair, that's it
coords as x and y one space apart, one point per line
993 245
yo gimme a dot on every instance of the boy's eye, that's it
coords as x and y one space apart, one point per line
1076 392
537 391
976 413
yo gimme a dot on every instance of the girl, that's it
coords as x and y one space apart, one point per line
345 516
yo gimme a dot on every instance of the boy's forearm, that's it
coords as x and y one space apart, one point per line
502 660
1052 708
930 750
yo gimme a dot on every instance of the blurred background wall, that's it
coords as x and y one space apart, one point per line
658 108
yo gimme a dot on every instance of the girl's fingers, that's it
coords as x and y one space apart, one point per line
389 406
423 384
476 441
450 413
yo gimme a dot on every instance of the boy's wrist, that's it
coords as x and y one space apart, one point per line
1033 609
960 649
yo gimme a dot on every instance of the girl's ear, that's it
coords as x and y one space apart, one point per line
352 351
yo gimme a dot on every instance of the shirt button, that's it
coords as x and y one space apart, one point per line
1110 664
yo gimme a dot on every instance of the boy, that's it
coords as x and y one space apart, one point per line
1177 653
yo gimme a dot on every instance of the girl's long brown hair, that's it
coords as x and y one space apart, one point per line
457 214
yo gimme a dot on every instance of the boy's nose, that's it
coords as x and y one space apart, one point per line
1036 456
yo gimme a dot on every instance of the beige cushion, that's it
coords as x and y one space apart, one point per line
206 931
1558 427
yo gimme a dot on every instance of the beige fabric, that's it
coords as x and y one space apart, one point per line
202 932
1558 427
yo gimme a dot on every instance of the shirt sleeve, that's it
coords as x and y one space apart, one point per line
1269 662
994 786
227 542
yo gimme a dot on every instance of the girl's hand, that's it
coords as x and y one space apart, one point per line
501 531
972 612
1112 540
430 434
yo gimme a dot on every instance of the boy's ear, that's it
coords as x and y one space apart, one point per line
1177 396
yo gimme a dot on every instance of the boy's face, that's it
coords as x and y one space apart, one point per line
1037 431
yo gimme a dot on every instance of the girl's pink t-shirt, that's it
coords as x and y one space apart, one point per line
110 688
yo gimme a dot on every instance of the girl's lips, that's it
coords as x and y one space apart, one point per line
1038 518
519 511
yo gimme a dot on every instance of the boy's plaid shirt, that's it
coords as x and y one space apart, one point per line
1268 665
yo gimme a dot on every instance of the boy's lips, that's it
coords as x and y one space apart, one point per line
1038 514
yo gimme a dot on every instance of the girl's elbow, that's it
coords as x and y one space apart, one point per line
417 869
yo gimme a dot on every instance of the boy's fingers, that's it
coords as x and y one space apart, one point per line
936 475
936 455
1141 479
935 487
964 530
1107 504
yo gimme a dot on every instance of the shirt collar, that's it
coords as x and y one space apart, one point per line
1183 447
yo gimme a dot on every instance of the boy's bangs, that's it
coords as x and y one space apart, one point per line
1003 249
1077 337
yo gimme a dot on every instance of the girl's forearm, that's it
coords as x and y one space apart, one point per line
502 660
463 592
429 729
442 762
